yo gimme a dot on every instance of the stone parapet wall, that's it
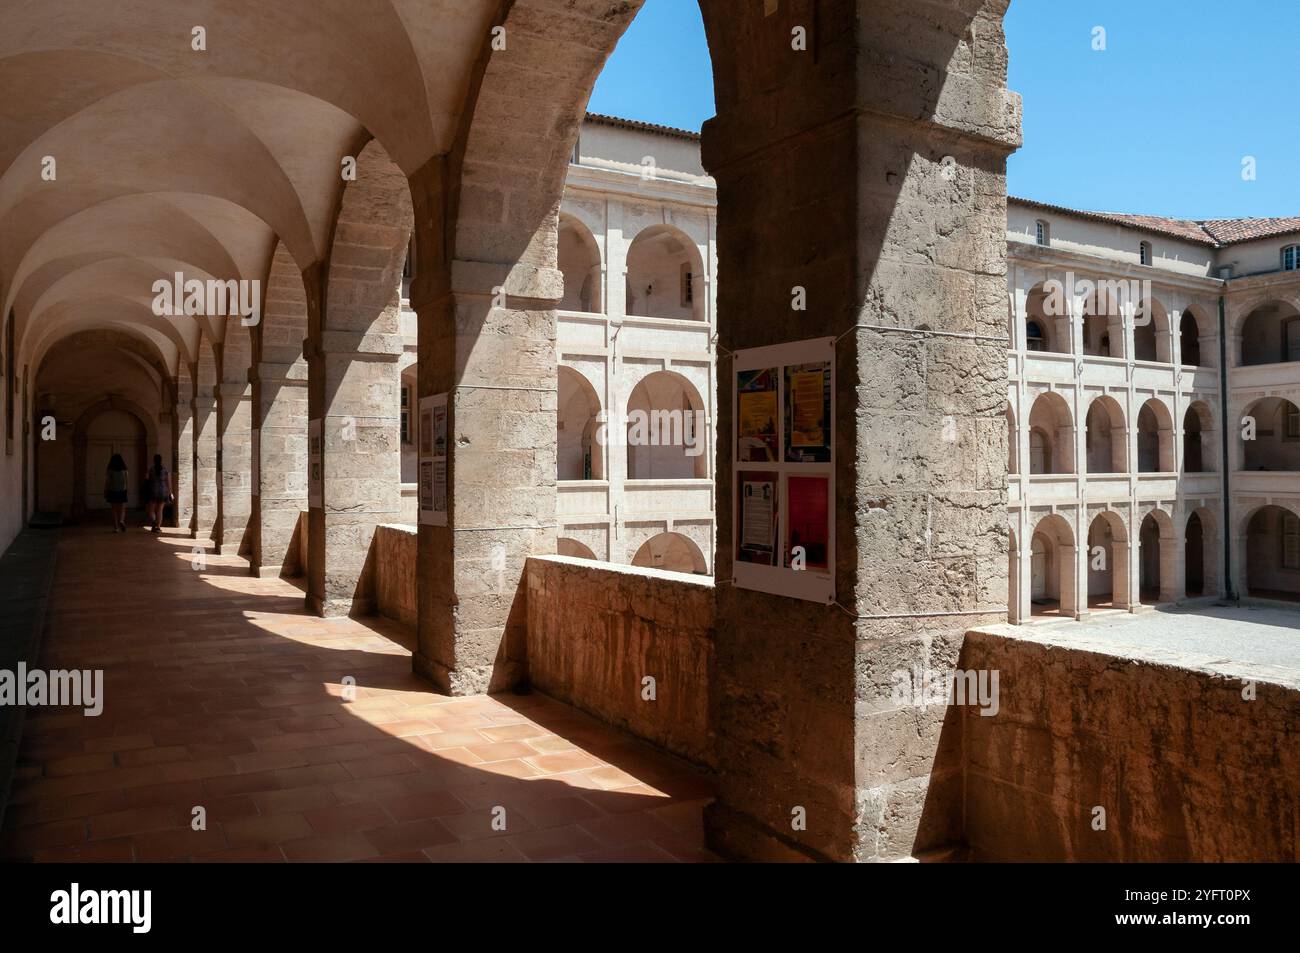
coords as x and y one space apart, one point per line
394 554
596 631
1185 768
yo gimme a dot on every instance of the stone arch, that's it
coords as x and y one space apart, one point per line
1199 438
1269 331
1051 435
665 275
666 429
579 260
566 546
672 552
1045 329
1192 340
1157 557
1201 547
1051 572
1155 438
1107 559
1151 332
80 430
1102 316
1106 436
580 445
1271 553
1277 427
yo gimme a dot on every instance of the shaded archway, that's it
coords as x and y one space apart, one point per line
1198 439
665 275
578 257
1157 558
1272 554
1270 334
1108 563
672 552
1051 570
130 430
667 430
1106 437
1151 332
1189 343
1046 330
1194 552
1275 422
580 449
564 546
1155 438
1051 435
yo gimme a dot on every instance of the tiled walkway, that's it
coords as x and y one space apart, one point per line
221 693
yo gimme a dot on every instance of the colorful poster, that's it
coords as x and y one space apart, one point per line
756 517
808 412
315 477
756 416
433 460
808 523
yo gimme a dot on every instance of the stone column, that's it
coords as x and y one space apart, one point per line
870 174
1173 571
234 413
280 488
205 464
183 459
488 339
1070 583
361 477
1120 575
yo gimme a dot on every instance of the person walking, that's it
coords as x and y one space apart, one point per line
160 493
115 484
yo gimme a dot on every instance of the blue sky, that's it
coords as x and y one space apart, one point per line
1158 122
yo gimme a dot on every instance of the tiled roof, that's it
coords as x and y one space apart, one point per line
1215 232
643 126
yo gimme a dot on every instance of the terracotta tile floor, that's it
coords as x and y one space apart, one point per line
221 692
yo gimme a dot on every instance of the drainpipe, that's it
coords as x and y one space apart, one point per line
1227 459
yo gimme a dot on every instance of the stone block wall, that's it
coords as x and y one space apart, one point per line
395 551
1185 768
596 632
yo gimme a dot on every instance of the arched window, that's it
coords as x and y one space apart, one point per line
1189 340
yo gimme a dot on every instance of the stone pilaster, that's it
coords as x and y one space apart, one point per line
361 476
183 457
205 465
489 341
280 489
234 505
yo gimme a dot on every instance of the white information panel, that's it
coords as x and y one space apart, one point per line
783 453
433 460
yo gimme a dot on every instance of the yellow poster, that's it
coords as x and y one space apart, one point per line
807 395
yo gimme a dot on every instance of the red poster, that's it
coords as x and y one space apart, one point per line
808 521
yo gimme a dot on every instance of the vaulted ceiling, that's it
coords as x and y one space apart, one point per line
169 158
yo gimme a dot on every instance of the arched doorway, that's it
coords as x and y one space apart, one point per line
1106 439
1155 438
579 448
1107 558
1273 554
578 258
112 432
1194 555
1050 435
665 275
667 432
1051 569
1156 558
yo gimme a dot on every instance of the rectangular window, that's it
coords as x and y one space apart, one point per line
1144 253
1289 261
1040 233
688 286
1290 542
406 413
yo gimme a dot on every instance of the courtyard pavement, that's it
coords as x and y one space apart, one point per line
222 693
1253 640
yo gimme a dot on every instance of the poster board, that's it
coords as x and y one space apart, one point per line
432 436
315 479
783 446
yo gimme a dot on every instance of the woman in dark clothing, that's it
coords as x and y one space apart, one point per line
160 492
115 484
